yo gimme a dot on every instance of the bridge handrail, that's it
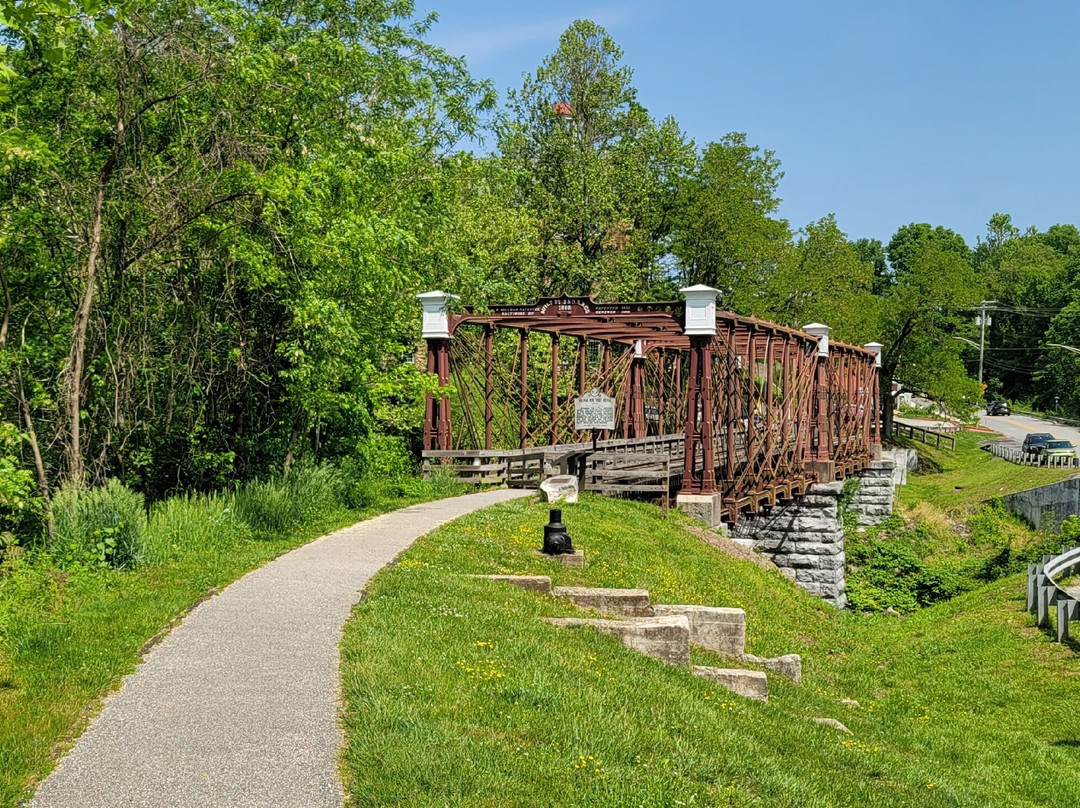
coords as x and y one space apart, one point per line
1043 590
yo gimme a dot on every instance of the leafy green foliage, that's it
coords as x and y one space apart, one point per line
594 171
727 234
20 502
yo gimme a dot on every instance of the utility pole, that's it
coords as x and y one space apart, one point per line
983 321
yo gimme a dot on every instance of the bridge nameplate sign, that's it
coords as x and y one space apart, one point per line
594 410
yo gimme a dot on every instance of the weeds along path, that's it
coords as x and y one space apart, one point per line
238 706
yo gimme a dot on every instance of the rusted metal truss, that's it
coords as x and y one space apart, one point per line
761 411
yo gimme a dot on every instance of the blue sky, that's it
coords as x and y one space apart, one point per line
882 113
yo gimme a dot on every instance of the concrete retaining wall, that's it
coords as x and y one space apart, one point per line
1047 506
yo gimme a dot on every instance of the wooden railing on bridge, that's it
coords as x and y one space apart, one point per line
754 411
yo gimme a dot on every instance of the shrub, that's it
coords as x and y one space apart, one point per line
309 493
98 527
192 523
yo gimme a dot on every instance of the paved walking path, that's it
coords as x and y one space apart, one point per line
238 706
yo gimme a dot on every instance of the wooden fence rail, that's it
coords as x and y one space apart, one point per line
922 434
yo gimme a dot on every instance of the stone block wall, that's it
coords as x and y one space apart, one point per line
873 501
805 539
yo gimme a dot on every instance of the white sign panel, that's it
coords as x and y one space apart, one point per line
594 410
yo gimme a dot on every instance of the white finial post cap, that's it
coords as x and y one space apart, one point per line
700 310
821 331
436 323
875 349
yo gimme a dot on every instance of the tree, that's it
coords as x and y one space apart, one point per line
870 251
727 235
911 238
215 250
824 281
921 313
595 171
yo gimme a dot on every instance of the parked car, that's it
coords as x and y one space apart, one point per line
998 408
1036 440
1057 448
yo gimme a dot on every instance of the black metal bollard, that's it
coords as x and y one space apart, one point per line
556 539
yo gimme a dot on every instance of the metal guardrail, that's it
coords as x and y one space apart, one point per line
923 434
1043 592
1022 458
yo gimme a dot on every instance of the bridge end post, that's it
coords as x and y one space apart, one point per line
875 401
821 462
436 332
699 497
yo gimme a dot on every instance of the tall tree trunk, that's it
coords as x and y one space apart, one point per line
73 368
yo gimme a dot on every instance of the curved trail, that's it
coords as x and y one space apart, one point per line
238 706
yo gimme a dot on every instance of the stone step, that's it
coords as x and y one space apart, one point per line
665 638
788 665
752 684
614 602
533 583
714 628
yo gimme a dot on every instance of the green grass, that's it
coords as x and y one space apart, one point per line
949 534
457 695
67 637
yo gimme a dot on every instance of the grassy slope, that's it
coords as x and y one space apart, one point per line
57 660
970 475
457 695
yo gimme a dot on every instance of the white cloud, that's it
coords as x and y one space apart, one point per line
481 43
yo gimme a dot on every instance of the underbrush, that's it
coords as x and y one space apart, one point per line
923 558
950 533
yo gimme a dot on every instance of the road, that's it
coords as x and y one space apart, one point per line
1017 426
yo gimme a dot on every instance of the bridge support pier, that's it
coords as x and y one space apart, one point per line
805 538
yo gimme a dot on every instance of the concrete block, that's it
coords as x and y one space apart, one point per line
533 583
714 628
707 508
665 638
788 665
560 488
751 684
816 548
616 602
834 488
816 562
818 576
574 559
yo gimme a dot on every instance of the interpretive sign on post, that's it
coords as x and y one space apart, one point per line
594 411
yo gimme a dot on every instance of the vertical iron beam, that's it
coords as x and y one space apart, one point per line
554 388
524 386
489 387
